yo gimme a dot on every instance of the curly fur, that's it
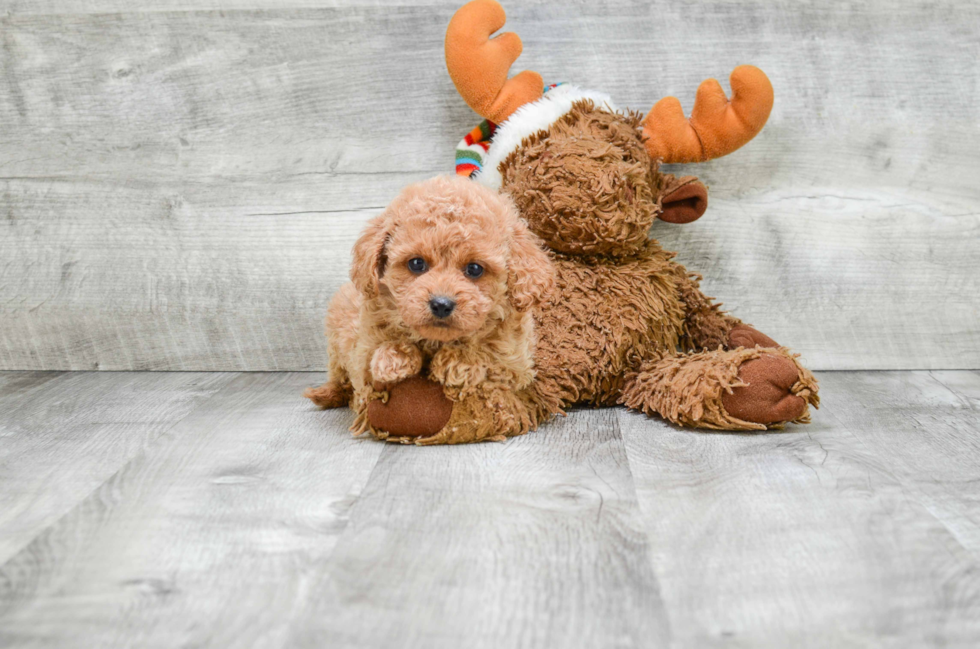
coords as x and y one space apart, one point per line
626 324
380 329
688 389
586 185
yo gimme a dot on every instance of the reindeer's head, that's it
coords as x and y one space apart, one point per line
584 175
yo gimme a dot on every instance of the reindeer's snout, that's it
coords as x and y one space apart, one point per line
441 306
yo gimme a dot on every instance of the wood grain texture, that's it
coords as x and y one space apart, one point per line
824 535
922 425
258 521
63 435
180 183
532 543
206 539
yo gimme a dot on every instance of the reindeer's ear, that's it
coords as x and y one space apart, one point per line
683 200
531 275
369 255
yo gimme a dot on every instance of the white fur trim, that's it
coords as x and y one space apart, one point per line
528 120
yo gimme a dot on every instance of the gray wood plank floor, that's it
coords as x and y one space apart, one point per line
164 510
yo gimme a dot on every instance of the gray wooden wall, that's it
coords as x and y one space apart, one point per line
181 181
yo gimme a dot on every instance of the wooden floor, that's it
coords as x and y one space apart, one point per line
222 510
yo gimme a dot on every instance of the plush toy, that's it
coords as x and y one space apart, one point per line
626 324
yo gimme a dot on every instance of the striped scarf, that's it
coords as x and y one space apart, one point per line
472 148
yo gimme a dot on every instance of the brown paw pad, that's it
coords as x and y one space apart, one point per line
416 407
766 399
746 336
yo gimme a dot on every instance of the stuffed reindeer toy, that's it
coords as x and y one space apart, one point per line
626 324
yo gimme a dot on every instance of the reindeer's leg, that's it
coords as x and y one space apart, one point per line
770 377
705 326
741 389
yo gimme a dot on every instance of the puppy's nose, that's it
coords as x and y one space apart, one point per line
441 306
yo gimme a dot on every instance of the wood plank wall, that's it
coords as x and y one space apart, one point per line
180 184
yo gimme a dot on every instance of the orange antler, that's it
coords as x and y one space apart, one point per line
717 126
478 65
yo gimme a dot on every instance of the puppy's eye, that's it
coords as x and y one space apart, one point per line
473 271
417 265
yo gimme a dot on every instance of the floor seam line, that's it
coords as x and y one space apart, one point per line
910 491
112 475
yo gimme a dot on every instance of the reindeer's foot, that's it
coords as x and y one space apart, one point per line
413 408
742 335
488 413
776 388
773 388
329 395
741 389
423 412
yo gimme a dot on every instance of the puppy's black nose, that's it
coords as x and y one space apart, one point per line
441 306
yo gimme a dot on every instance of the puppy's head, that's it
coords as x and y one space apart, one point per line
451 258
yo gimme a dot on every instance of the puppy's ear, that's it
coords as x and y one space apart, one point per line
369 255
531 276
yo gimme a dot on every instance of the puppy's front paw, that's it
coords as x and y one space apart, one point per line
451 368
391 362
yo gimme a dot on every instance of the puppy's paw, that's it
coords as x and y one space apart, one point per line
393 362
454 369
329 395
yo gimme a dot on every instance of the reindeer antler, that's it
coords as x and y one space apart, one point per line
717 126
478 65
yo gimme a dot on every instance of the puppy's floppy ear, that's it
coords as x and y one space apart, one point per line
531 276
369 255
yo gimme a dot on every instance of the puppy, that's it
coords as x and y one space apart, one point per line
443 282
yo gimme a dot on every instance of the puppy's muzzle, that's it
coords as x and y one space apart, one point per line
441 306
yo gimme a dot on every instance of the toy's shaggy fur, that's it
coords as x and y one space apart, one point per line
627 324
530 119
380 328
624 324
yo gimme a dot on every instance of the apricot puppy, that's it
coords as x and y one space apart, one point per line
443 283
